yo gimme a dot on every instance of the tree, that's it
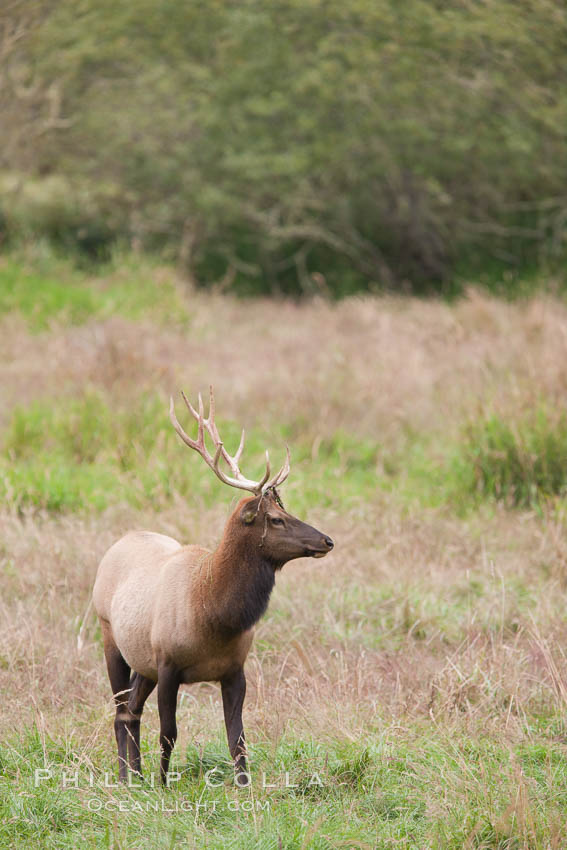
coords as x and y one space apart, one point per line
308 143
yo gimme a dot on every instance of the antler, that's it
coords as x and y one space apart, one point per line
237 479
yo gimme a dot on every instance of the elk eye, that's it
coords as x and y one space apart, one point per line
276 520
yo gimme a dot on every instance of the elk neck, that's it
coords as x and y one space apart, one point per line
237 589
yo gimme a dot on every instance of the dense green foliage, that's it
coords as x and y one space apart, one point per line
291 146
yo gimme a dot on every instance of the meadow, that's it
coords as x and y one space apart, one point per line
407 691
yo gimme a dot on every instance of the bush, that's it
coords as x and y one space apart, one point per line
74 217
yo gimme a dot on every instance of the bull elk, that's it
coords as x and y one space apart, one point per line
173 614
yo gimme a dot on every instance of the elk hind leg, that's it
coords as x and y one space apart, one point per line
119 675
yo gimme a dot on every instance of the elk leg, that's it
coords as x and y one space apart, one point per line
168 685
141 688
119 675
233 690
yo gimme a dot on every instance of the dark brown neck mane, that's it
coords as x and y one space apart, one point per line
240 580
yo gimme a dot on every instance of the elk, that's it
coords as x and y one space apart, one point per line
173 614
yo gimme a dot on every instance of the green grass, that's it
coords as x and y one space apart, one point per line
83 454
401 788
518 461
46 289
521 462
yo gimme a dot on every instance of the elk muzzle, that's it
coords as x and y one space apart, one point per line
325 546
315 544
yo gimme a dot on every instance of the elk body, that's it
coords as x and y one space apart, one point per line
173 614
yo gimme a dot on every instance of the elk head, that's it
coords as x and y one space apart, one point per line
260 521
281 536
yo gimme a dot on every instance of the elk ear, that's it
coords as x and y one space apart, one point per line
250 511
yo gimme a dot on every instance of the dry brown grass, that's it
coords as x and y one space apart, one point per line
372 365
491 665
385 631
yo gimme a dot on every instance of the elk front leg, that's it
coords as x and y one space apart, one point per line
233 692
168 685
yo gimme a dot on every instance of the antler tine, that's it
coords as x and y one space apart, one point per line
285 470
174 421
283 473
201 416
240 447
234 482
211 425
199 445
216 459
266 474
211 406
212 429
197 416
190 406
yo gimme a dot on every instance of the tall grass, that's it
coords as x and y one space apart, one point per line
522 461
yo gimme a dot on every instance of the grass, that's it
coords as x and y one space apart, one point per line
522 461
83 454
46 289
419 670
301 795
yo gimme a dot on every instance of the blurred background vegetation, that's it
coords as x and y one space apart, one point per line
291 147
